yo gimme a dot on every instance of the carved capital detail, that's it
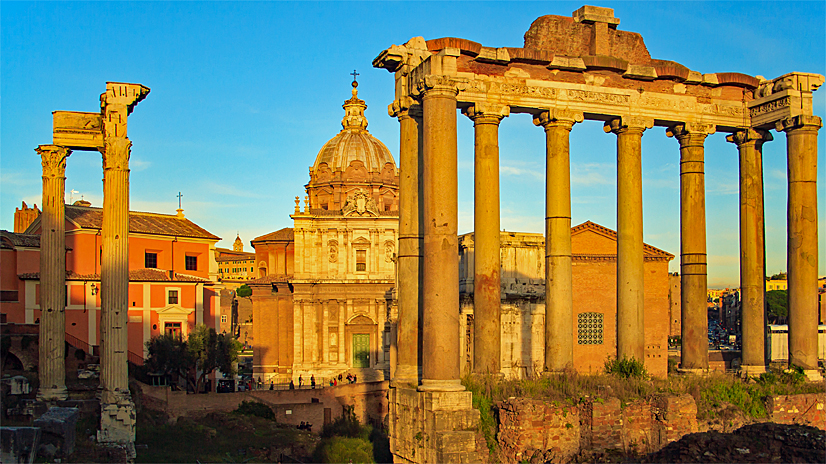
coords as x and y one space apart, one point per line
802 121
116 153
404 107
53 158
746 136
487 113
440 84
555 117
690 133
628 124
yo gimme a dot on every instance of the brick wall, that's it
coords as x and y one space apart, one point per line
526 425
798 409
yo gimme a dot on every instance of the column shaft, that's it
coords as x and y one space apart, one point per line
52 365
801 144
630 287
486 278
409 261
693 279
752 249
115 271
559 306
440 328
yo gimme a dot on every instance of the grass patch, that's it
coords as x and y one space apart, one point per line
347 440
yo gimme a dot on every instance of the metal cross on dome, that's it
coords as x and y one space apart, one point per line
354 74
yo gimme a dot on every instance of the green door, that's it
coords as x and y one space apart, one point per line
361 350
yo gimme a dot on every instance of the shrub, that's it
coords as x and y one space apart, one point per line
254 408
626 368
344 449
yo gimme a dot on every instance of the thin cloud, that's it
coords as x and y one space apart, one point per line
593 174
231 190
18 179
512 171
137 165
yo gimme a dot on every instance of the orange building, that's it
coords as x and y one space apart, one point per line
172 273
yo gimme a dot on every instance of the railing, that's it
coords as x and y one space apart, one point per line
78 343
134 358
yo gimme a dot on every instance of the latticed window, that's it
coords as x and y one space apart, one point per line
361 260
590 328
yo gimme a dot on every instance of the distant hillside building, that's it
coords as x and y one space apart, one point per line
236 265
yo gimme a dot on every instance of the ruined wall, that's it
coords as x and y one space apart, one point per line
798 409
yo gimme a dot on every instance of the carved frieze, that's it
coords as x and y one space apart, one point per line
597 97
53 159
770 106
77 130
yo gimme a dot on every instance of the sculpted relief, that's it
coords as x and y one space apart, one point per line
360 204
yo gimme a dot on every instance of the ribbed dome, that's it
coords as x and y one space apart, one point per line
354 142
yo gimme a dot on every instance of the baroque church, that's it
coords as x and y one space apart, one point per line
324 292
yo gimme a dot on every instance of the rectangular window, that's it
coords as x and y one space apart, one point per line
173 328
361 260
223 318
173 297
150 260
8 295
191 263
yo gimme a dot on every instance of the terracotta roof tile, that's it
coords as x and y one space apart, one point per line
18 240
139 222
135 275
285 234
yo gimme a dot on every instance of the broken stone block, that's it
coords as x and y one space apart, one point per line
18 445
57 427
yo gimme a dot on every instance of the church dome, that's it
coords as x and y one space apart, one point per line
354 142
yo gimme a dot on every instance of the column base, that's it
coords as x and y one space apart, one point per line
117 421
752 371
52 394
406 376
441 386
691 371
813 375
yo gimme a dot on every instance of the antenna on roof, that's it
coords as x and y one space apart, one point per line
72 195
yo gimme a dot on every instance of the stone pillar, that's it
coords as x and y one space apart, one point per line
559 306
630 291
801 144
117 424
693 272
440 318
52 365
408 339
752 249
486 279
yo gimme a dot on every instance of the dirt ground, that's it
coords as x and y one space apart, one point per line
763 442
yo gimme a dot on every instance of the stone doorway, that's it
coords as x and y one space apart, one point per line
361 350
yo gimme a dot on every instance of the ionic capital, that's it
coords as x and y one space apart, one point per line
558 117
626 124
404 107
487 113
116 153
440 85
53 158
749 136
690 134
802 121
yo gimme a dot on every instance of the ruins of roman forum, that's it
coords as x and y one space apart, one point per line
104 132
571 69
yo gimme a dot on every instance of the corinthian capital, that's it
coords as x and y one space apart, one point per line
628 124
746 136
53 158
440 84
404 107
116 153
558 116
489 113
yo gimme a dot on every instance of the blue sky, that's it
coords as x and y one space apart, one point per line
244 95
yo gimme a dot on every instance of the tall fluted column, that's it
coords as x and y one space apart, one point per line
694 277
630 273
559 306
486 278
752 249
409 261
801 145
440 324
52 365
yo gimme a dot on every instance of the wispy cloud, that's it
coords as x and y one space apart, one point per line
593 174
231 190
512 171
18 179
137 165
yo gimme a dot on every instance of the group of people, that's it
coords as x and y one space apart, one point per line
334 382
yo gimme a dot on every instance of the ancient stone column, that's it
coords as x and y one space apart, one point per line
630 291
559 306
752 249
52 365
486 279
693 272
440 317
117 410
409 260
801 144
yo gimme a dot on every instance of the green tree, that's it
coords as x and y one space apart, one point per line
168 355
778 306
244 291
